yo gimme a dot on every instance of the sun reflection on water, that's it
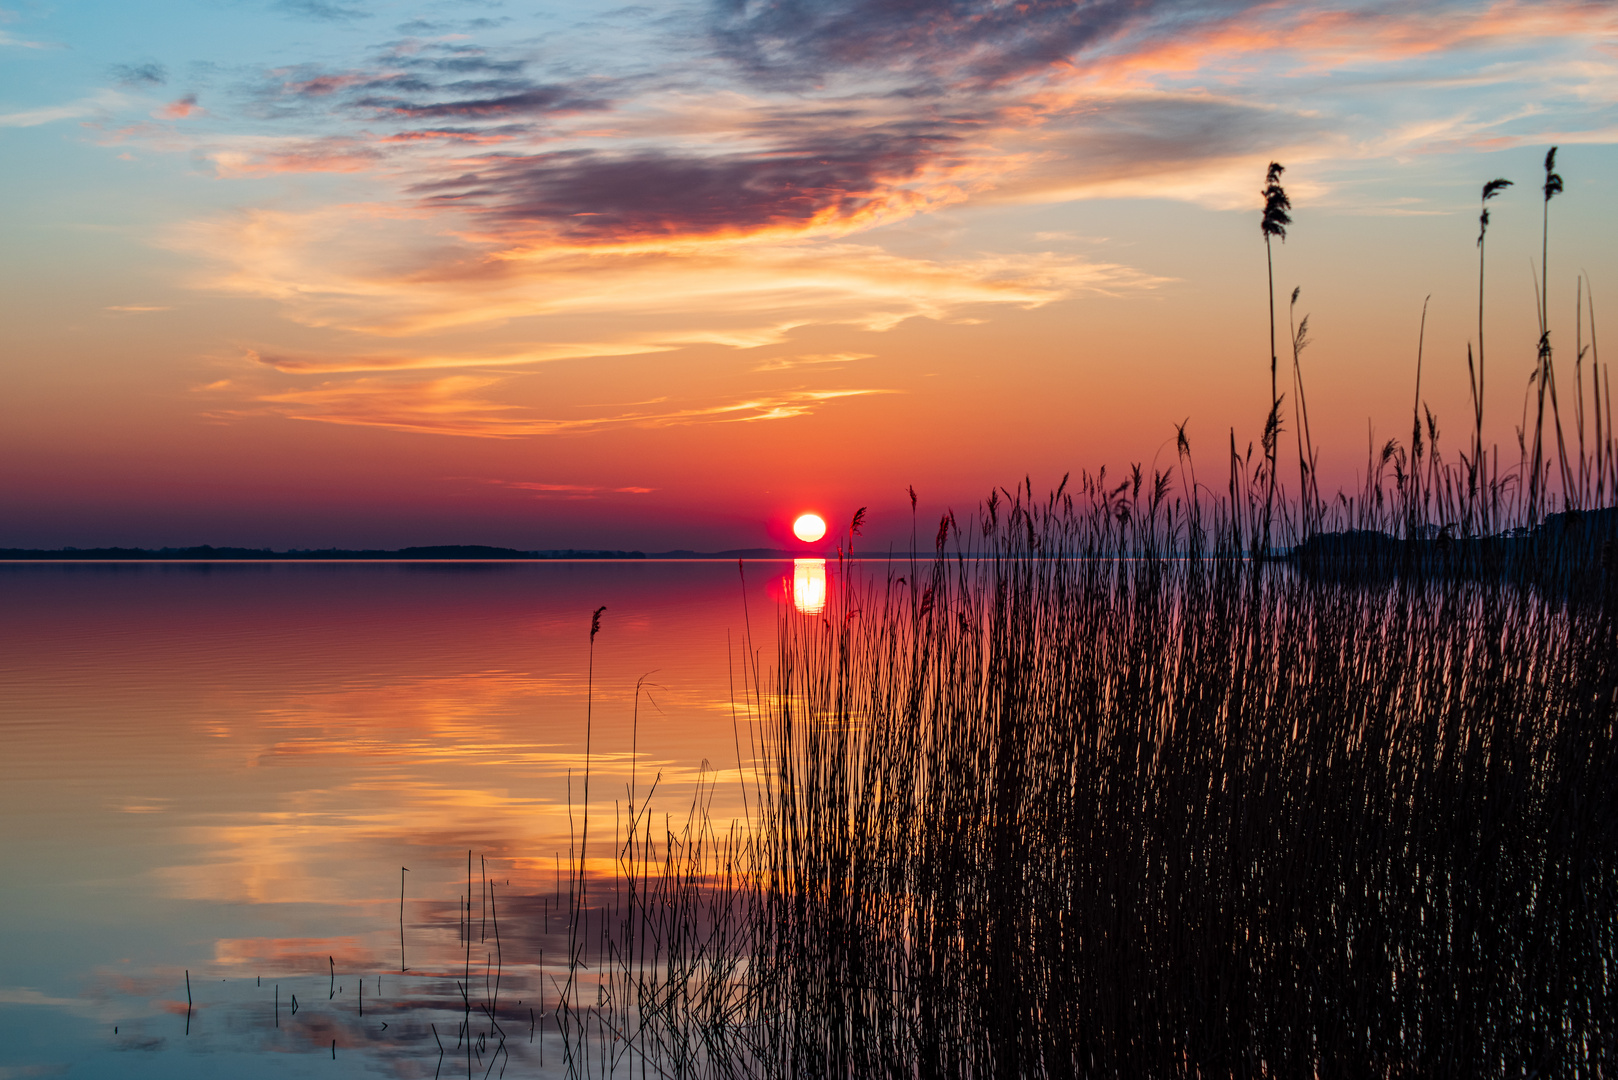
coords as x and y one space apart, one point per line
809 586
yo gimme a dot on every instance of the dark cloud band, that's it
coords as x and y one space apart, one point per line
984 41
596 197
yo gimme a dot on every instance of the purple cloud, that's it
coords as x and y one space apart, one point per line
605 197
537 100
983 41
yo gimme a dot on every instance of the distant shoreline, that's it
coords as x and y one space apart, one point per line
440 553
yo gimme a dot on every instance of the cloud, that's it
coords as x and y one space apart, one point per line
1194 147
426 61
322 10
570 491
1081 98
989 43
148 74
335 154
21 43
838 182
412 81
326 364
377 272
787 363
453 405
137 308
100 102
463 135
518 212
985 42
178 109
538 100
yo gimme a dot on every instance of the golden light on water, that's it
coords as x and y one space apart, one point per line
809 528
809 584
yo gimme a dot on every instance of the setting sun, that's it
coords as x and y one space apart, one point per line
809 528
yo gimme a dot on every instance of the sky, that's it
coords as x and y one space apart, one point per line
314 273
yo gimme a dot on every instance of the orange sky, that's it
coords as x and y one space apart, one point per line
311 274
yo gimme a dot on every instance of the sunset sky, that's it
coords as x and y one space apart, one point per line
346 272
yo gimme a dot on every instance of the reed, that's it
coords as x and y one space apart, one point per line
1477 476
1544 378
1273 224
1308 484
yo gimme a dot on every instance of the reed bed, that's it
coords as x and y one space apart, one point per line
1046 812
1088 793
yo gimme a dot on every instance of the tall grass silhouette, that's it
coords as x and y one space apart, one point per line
1103 812
1092 791
1477 467
1273 224
1072 798
1544 377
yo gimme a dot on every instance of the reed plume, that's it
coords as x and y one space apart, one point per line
1477 476
1273 224
1544 371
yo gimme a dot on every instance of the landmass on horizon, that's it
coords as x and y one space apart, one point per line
431 553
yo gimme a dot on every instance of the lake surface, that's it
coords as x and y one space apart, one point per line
216 772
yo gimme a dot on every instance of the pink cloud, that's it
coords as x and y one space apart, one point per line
325 155
322 85
571 491
179 109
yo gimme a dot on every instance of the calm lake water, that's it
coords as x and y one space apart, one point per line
221 769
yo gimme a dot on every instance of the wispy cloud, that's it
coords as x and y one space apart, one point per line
414 81
787 363
144 75
456 405
333 363
384 273
334 154
534 101
322 10
569 491
23 43
984 42
104 101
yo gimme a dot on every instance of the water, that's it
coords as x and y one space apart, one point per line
221 769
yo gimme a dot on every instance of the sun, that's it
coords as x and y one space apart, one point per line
809 528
